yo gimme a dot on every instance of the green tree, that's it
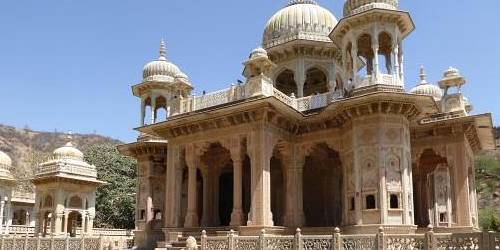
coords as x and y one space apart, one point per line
489 219
487 179
115 202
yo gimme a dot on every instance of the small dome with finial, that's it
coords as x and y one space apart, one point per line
68 151
452 78
161 69
425 88
258 52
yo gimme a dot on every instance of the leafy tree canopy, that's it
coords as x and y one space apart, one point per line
115 202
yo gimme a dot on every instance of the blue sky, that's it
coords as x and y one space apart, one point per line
69 64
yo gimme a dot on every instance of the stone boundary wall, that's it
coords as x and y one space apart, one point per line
337 241
11 242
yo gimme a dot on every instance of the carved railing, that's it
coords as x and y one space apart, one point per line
317 101
21 229
442 117
382 79
237 92
337 241
53 243
12 242
234 93
290 101
54 167
30 230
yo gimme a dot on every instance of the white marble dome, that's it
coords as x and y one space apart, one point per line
352 7
5 160
300 19
425 88
429 90
68 151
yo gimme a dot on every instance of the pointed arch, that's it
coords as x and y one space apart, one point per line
316 81
285 82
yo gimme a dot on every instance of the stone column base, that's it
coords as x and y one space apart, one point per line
191 220
237 217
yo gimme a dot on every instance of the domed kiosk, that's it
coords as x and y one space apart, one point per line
65 189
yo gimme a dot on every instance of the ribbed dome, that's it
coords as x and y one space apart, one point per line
160 69
352 7
5 165
181 75
424 88
5 160
300 19
258 52
68 151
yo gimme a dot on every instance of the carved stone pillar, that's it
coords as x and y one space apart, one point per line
153 109
457 160
396 60
215 196
66 217
2 207
401 64
376 70
90 224
172 194
300 77
205 212
148 192
294 214
9 216
58 224
237 157
192 160
354 55
143 112
260 152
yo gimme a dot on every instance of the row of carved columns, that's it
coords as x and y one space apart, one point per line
259 150
59 224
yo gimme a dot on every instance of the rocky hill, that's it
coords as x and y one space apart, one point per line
27 148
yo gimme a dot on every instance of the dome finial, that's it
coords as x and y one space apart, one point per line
69 139
423 76
163 50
